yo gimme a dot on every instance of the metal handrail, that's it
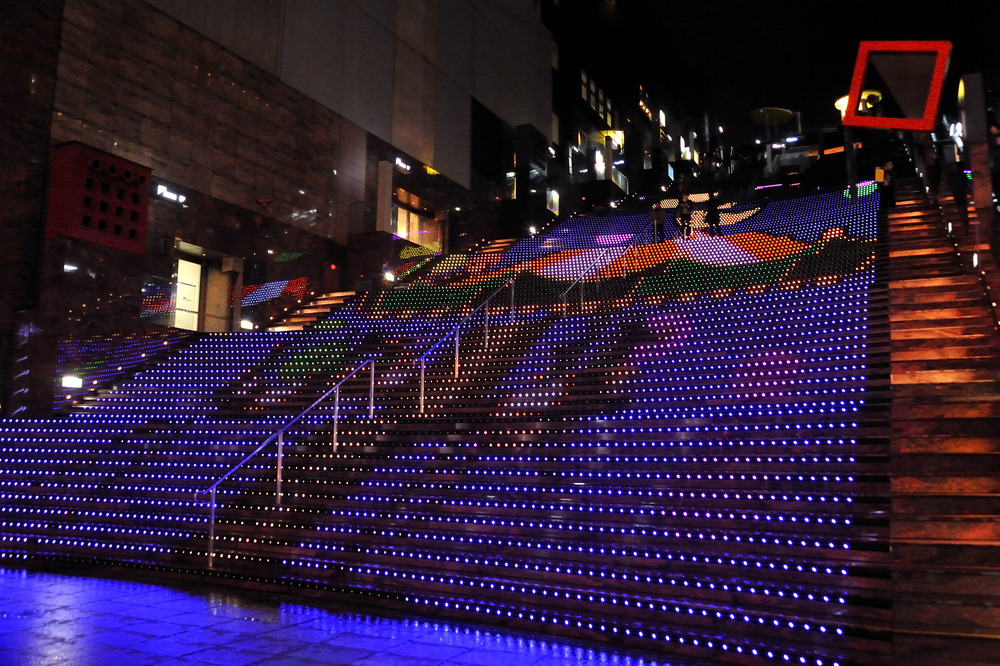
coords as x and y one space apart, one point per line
422 359
586 271
279 436
631 246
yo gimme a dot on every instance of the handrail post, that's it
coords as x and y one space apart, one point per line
371 393
279 436
336 413
486 326
564 296
211 533
457 330
423 365
512 283
277 492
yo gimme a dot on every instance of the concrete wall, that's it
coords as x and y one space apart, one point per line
29 48
135 83
404 70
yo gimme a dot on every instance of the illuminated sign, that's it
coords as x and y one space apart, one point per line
401 164
164 193
913 72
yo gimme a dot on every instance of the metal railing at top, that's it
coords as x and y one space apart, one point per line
598 260
279 437
456 330
564 296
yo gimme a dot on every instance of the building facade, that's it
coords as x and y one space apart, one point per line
615 126
181 165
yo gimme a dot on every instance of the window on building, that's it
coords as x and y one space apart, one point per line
414 221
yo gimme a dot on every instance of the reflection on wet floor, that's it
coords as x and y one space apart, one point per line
48 618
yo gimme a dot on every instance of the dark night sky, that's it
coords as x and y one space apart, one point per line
801 58
742 55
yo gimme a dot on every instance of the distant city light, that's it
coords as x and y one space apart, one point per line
72 381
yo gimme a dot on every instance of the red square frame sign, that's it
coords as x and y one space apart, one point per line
940 50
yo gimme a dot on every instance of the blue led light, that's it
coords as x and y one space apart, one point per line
710 426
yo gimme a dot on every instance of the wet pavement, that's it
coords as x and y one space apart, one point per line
49 619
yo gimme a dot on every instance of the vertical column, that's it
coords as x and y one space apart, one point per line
609 157
977 153
234 266
383 203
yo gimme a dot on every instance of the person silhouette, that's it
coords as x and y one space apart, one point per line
887 186
712 216
684 215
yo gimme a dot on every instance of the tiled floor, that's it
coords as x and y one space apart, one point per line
59 619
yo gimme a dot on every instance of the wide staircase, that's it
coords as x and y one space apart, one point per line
946 439
313 311
681 446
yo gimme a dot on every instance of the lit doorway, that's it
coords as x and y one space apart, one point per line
188 299
204 284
